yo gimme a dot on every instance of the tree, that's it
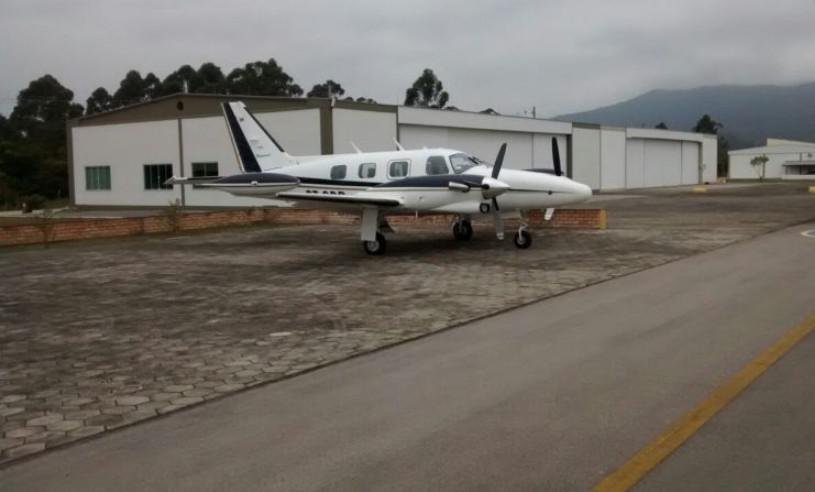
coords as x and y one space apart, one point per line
99 101
427 91
661 126
185 79
211 79
760 161
327 89
41 111
262 78
365 100
152 86
33 157
708 125
130 91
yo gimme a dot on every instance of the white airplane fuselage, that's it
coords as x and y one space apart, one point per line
370 172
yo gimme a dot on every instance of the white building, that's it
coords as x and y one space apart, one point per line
787 159
120 158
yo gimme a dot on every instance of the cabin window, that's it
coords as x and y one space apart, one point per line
156 174
204 169
398 169
436 165
367 170
339 172
97 178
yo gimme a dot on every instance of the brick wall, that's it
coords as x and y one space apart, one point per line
76 229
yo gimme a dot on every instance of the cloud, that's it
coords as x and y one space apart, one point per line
559 55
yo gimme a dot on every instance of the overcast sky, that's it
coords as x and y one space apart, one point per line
559 55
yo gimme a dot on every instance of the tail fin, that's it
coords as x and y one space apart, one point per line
257 151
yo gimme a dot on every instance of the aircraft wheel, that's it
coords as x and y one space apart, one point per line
376 247
523 239
463 230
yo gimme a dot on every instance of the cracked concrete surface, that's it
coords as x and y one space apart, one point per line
97 335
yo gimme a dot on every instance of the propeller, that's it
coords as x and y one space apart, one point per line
556 157
496 212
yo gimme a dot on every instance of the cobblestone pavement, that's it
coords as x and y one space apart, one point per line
101 334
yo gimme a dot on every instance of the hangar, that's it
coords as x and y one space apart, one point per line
787 159
122 157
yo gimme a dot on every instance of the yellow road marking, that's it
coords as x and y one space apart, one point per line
680 431
809 233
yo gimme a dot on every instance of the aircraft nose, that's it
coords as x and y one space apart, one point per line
584 191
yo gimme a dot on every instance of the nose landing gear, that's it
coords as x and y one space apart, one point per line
522 239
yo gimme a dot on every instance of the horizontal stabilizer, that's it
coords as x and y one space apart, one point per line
185 180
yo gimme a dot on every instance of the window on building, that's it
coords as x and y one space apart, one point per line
436 165
97 178
339 172
156 174
367 170
204 169
398 169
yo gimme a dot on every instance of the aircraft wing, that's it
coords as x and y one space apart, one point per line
362 198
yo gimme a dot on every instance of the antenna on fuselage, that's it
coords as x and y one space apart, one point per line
398 145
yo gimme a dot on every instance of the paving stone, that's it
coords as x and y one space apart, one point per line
6 443
164 396
78 402
187 401
23 450
23 432
45 419
12 399
86 431
117 410
8 412
103 420
81 414
65 425
228 388
45 436
132 400
178 388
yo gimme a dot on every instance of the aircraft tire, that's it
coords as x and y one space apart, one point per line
522 239
377 247
463 230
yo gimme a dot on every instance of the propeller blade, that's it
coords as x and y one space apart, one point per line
495 204
499 161
556 157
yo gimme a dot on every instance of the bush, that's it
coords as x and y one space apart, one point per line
32 202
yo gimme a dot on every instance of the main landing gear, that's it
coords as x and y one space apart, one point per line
462 230
377 246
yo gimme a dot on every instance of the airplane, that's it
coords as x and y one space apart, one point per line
378 184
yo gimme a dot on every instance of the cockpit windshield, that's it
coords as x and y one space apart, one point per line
463 162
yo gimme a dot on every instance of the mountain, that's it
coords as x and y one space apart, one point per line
749 113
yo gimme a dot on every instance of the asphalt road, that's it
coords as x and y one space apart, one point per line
554 395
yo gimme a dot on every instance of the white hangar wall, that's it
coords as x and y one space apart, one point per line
528 141
777 151
371 131
609 158
126 148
